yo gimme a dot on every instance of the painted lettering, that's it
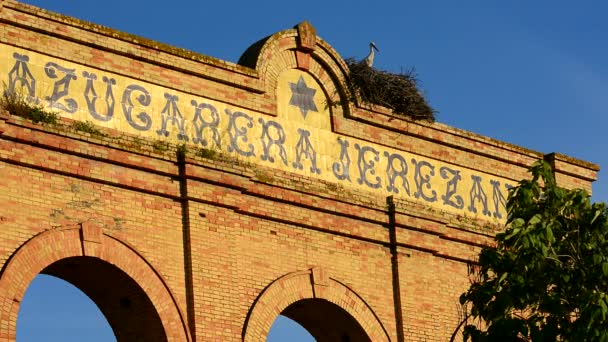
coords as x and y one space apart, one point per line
423 181
367 166
61 87
276 139
478 194
500 202
172 113
304 148
239 133
342 169
21 73
451 198
143 99
233 133
201 124
90 96
393 171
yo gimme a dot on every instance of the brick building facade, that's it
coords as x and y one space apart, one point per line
200 199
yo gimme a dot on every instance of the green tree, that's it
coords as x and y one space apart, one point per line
546 278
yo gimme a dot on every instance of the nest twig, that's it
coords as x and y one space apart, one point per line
398 92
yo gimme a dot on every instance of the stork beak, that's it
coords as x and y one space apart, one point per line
375 48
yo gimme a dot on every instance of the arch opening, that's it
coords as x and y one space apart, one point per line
128 310
55 310
325 307
286 329
325 321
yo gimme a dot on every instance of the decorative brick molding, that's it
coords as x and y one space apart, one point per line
52 246
310 284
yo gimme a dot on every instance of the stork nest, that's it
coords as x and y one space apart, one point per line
398 92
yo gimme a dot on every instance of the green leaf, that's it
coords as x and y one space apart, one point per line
603 307
549 233
513 232
543 249
535 219
597 258
502 277
595 216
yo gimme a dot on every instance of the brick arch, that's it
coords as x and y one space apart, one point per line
271 60
52 246
300 48
305 285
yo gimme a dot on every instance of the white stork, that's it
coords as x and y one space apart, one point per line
369 60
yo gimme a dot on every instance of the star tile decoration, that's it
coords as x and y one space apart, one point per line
302 97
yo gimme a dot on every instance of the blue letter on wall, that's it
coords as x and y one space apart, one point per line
477 194
200 124
237 133
171 112
500 202
268 141
424 181
341 169
304 148
61 88
366 166
21 73
90 95
393 172
144 99
450 198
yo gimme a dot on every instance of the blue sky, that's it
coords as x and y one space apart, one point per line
530 73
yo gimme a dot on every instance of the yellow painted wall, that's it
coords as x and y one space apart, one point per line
307 133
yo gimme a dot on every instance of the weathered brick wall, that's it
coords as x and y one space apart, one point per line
222 243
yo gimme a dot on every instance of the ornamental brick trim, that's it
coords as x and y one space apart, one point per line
51 246
301 285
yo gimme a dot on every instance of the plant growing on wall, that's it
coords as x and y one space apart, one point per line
17 104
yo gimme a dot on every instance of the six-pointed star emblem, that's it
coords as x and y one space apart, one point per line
302 97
